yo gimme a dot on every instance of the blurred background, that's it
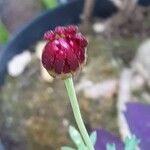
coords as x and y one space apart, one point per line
34 108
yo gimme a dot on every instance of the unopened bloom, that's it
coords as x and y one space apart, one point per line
65 51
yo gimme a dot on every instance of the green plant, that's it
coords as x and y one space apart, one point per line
3 33
50 3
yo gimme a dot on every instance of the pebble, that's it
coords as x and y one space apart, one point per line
141 63
102 89
17 64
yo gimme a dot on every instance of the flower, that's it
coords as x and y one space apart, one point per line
65 51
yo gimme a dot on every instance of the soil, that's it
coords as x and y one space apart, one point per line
36 115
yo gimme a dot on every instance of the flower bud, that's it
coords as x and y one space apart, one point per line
65 51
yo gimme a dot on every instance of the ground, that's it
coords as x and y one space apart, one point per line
36 115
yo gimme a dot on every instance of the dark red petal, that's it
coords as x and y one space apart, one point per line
81 56
81 40
58 65
79 51
47 63
48 56
62 54
59 62
66 68
49 53
64 44
56 45
72 60
49 35
74 45
60 30
72 29
65 51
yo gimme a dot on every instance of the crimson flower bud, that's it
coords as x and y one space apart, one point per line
65 51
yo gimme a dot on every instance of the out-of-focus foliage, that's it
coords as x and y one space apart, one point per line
3 33
50 3
131 143
77 139
110 147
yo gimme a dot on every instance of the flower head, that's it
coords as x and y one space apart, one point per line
65 51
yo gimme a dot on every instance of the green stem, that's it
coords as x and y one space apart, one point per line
76 110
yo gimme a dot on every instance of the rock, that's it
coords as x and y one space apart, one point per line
65 122
146 96
100 27
17 64
103 89
137 82
83 84
45 76
38 52
141 62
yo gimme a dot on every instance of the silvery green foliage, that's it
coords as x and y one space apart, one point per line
77 139
93 137
111 147
67 148
130 144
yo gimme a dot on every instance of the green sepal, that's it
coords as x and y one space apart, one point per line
93 137
131 143
111 147
67 148
76 137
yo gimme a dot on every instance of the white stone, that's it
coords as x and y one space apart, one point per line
137 82
141 63
103 89
84 84
17 64
65 122
99 27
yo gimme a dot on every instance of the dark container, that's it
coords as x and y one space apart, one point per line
62 15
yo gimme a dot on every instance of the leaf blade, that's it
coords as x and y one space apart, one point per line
67 148
76 137
93 137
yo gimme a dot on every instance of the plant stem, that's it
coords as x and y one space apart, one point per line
76 111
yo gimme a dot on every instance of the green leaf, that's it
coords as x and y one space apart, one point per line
82 148
131 143
50 3
67 148
3 33
111 147
93 137
76 137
